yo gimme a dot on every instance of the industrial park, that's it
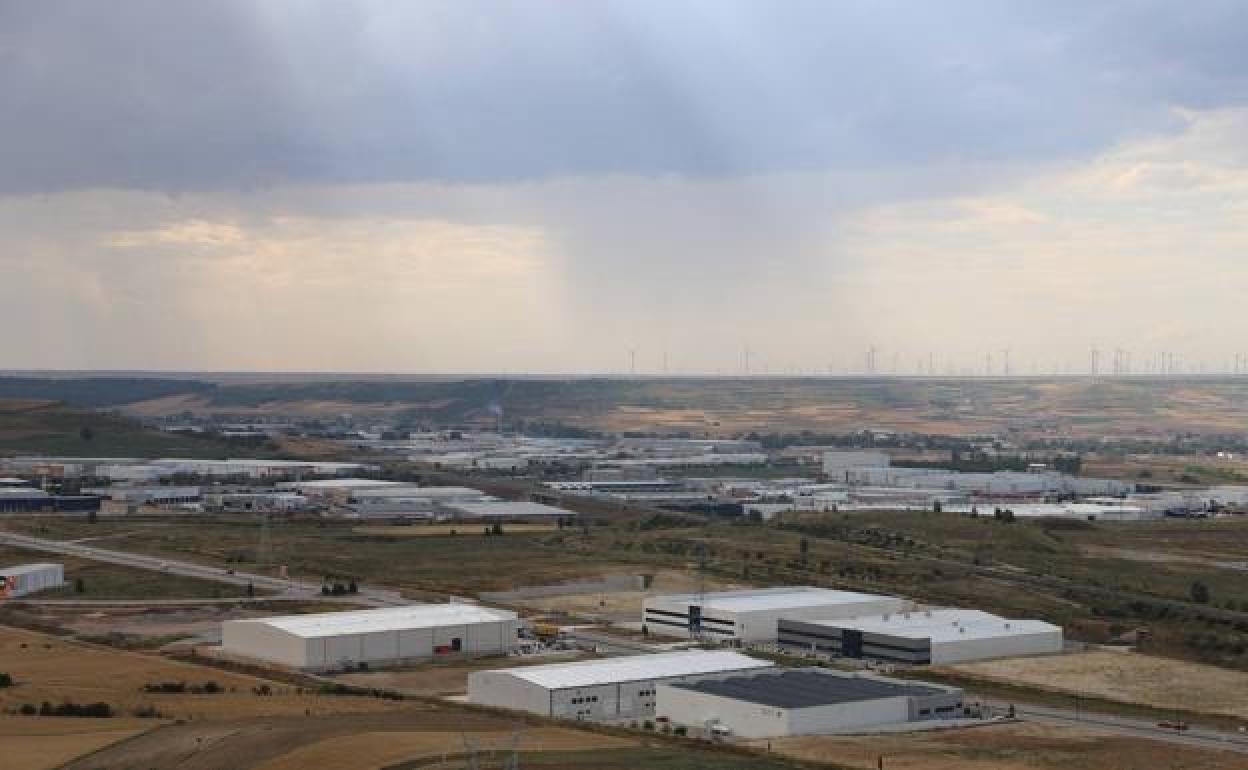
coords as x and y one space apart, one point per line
715 591
623 385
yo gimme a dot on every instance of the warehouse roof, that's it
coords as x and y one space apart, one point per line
25 569
344 484
506 509
23 492
386 619
806 687
635 668
944 625
411 490
786 598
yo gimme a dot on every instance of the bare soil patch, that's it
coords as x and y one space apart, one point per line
1128 677
1005 747
48 742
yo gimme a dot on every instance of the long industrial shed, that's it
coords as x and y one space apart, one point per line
338 640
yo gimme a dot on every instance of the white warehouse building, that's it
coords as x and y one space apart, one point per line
929 636
333 640
26 579
612 688
752 615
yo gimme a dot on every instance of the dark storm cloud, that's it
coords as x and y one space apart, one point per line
187 95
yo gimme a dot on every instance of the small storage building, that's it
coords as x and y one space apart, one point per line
26 579
807 701
612 688
752 615
334 640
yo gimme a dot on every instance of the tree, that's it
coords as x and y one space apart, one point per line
93 516
497 529
79 586
86 433
251 590
804 547
353 587
1200 593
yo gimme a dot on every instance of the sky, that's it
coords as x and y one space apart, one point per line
614 187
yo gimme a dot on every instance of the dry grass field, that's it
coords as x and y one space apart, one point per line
460 564
111 581
1127 677
48 742
1006 747
366 751
49 669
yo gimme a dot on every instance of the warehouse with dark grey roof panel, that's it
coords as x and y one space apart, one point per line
773 703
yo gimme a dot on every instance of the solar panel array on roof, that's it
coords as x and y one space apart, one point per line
805 688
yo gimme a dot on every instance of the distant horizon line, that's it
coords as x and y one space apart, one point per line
314 375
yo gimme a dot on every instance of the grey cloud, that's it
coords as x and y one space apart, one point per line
185 96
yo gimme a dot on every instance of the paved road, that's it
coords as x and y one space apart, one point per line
287 588
1201 737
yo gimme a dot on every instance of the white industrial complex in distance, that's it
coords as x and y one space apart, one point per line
601 690
340 640
779 702
752 615
930 636
25 579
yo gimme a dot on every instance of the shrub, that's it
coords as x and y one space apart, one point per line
6 680
70 709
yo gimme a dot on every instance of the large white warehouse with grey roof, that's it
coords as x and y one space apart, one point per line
334 640
611 688
752 615
929 636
